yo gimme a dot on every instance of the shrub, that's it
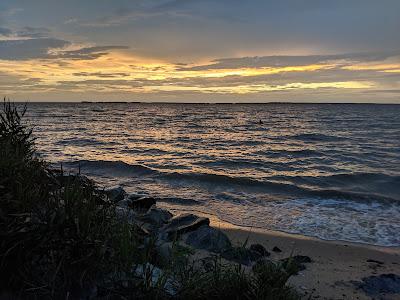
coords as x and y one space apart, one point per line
58 233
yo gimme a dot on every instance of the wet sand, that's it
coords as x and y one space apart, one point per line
336 265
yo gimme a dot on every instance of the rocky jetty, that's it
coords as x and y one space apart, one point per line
188 230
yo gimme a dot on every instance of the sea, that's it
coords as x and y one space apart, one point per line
330 171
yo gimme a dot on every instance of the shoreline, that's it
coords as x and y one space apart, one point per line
336 266
215 221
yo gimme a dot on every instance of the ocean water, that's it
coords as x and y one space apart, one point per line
328 171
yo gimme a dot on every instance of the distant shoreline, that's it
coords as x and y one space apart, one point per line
205 103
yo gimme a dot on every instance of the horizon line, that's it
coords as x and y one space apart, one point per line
205 103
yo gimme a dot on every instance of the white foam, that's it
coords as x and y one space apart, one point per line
372 223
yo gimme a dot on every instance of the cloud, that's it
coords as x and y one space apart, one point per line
5 31
26 32
33 32
87 53
286 61
101 74
14 82
24 49
42 48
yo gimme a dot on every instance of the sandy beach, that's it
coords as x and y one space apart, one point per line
336 265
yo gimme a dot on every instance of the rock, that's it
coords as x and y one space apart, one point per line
302 259
241 255
156 216
167 254
133 197
260 249
208 263
375 261
184 223
297 262
156 277
123 203
384 283
163 254
208 238
115 194
141 203
276 249
127 215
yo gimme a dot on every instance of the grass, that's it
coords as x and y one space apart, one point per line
60 238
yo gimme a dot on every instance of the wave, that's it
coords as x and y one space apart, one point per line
318 137
333 186
293 153
113 168
84 142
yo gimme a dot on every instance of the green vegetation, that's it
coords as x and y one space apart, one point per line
60 237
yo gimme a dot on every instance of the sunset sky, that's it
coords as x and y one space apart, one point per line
200 50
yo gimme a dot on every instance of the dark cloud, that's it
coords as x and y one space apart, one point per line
29 48
39 48
33 32
286 61
88 52
100 74
103 82
26 32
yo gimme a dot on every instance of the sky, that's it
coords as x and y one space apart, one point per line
200 50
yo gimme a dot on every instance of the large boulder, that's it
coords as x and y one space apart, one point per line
156 217
182 224
138 203
208 238
127 215
115 193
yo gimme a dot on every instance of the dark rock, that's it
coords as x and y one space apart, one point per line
163 254
260 249
184 223
140 230
301 259
241 255
123 203
384 283
133 197
375 261
276 249
296 263
156 216
141 203
208 238
208 263
261 263
125 214
167 252
115 194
